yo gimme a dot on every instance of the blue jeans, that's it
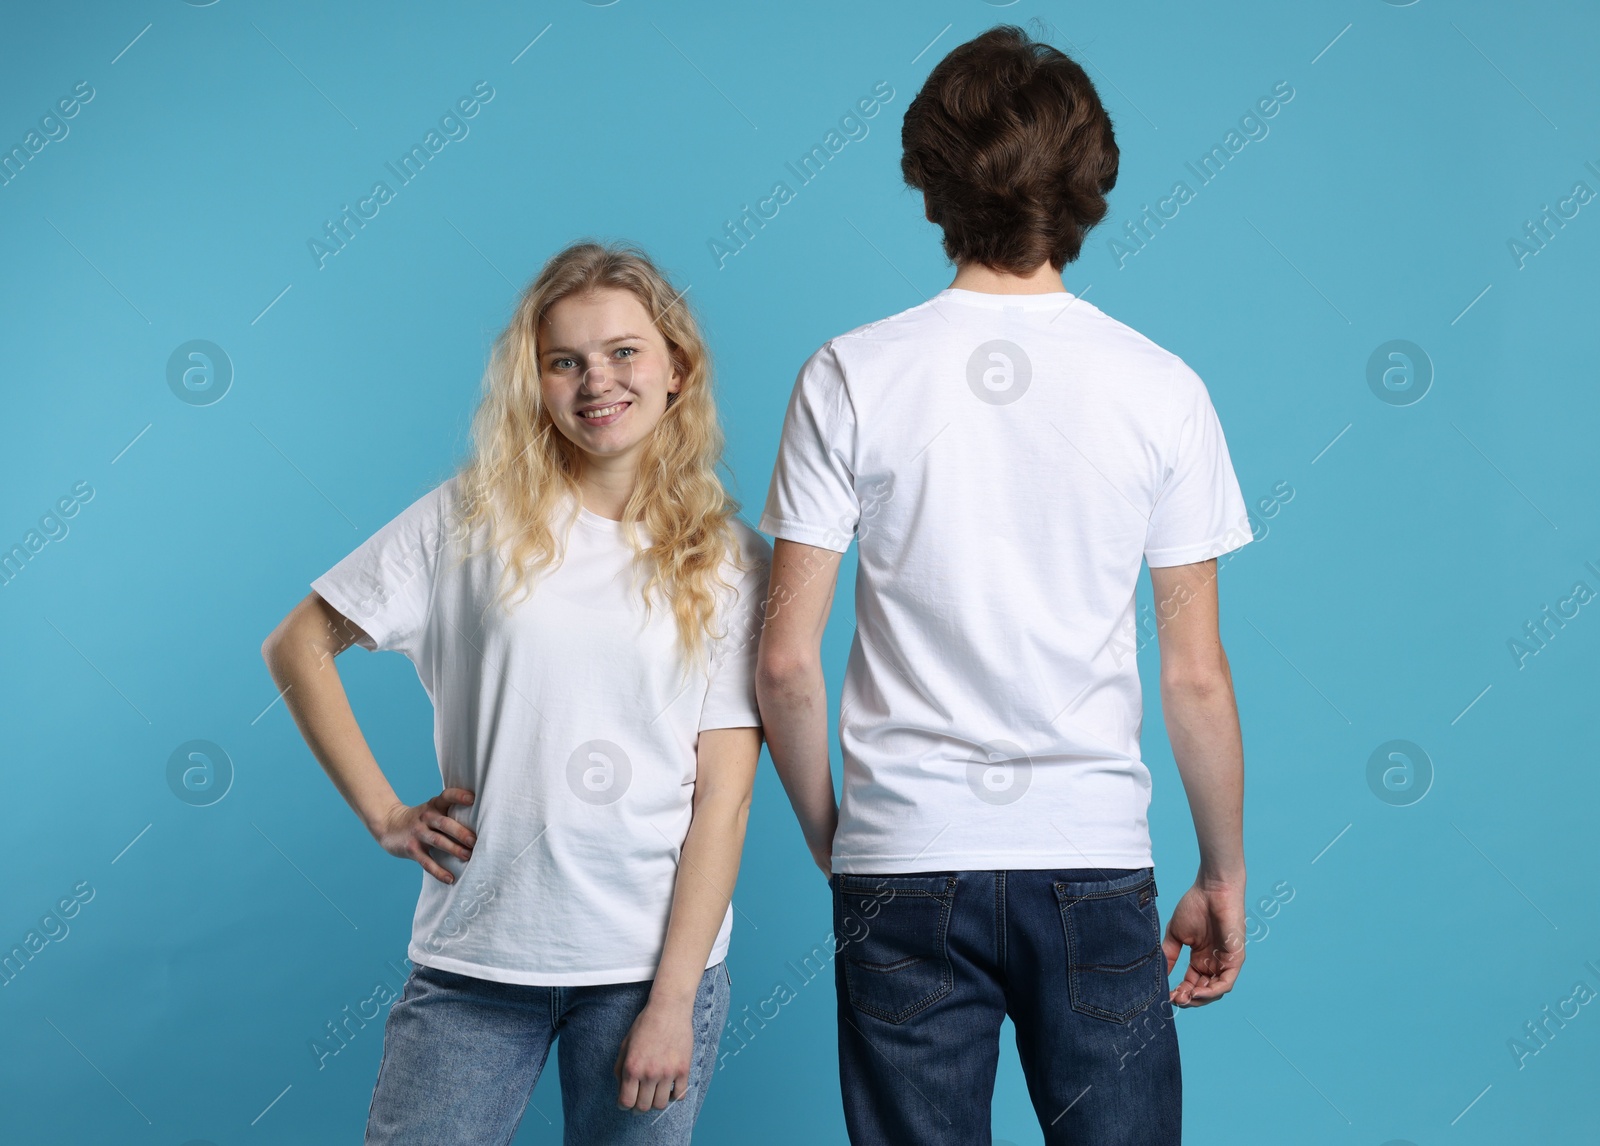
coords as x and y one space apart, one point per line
461 1055
932 962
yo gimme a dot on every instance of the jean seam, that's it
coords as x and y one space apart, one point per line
914 893
1135 884
706 1056
1000 920
702 1032
383 1056
848 881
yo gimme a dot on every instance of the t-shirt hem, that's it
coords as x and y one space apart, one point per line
1234 537
418 954
804 534
985 861
744 719
334 593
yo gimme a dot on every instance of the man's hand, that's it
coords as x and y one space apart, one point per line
1209 920
652 1067
408 832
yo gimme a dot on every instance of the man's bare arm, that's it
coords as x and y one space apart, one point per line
1203 726
791 690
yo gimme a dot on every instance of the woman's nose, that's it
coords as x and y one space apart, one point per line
601 376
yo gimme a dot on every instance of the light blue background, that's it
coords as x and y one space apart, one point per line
1378 1002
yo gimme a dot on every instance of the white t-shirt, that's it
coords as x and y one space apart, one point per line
1006 460
571 718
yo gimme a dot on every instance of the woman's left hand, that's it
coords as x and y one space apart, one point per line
653 1064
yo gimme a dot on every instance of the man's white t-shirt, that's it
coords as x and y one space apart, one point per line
1005 462
573 717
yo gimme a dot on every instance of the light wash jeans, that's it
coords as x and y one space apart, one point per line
461 1055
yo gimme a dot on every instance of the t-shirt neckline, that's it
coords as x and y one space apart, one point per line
1044 300
593 519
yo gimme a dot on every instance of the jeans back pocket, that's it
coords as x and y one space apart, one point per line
1115 966
891 932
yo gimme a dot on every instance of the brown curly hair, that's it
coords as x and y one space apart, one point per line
1012 150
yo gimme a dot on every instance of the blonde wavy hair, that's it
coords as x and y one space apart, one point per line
522 468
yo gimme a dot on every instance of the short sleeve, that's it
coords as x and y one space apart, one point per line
1199 512
812 498
386 584
731 693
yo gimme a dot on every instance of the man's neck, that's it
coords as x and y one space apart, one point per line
1043 279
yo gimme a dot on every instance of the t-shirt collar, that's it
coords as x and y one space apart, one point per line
1046 300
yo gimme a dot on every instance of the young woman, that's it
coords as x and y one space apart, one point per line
583 610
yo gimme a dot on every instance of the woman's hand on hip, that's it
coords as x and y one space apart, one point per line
408 832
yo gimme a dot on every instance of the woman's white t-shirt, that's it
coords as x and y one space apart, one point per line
1007 462
573 717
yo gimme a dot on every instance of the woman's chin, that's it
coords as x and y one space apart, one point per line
601 446
611 440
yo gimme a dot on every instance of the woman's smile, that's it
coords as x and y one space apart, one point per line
604 415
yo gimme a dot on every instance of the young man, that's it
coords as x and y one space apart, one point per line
1007 455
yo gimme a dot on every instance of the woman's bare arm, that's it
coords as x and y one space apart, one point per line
300 656
653 1064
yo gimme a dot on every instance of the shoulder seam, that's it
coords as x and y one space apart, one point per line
856 331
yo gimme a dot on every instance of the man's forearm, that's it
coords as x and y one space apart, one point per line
1203 725
794 715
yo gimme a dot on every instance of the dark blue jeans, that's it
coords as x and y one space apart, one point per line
930 963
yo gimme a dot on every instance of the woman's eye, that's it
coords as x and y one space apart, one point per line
563 364
628 351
